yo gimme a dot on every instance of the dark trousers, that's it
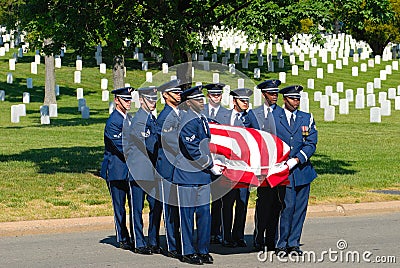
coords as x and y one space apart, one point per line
292 215
171 215
240 196
137 200
266 216
120 191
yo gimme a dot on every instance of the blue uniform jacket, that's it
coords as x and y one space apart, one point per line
223 115
194 160
167 130
302 141
141 144
114 166
258 115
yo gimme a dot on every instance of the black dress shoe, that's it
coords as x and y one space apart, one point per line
206 258
281 252
270 247
125 245
241 243
258 248
229 244
215 239
295 251
192 259
156 249
173 254
143 250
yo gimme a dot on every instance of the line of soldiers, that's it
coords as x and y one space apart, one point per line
168 161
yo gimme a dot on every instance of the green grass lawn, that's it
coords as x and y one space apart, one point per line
51 171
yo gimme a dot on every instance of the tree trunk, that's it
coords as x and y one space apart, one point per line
118 71
184 71
50 78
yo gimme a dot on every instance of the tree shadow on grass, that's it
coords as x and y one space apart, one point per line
324 164
66 160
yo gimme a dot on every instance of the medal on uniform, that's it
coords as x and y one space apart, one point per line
304 130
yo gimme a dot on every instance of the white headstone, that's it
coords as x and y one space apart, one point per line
9 78
306 65
105 95
292 59
33 67
57 90
330 68
26 97
214 57
377 83
391 93
240 83
324 101
29 83
77 77
37 59
135 99
295 70
317 95
104 83
354 71
335 99
14 114
11 64
360 91
371 100
145 65
2 95
382 75
165 68
257 97
349 95
149 77
371 63
385 108
377 59
370 88
314 62
388 69
356 58
363 67
339 86
81 103
22 109
320 73
53 110
215 77
339 64
328 90
44 115
382 96
329 113
282 77
345 61
232 69
310 83
360 101
396 103
57 62
78 64
395 65
343 106
375 115
20 52
103 68
305 104
79 93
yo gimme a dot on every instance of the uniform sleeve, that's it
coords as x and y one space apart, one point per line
113 139
309 142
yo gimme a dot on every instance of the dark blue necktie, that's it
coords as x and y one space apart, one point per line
212 115
292 121
269 121
238 121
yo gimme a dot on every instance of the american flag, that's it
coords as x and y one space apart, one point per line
252 157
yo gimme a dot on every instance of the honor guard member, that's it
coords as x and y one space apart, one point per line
114 169
167 130
192 174
267 202
141 143
219 114
297 129
233 236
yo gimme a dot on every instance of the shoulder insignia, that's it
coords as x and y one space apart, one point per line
118 136
167 129
145 134
190 139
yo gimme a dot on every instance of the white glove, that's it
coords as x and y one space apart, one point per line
217 170
291 163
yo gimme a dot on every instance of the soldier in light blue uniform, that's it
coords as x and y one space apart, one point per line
140 147
114 169
194 166
267 203
297 129
233 236
167 130
215 112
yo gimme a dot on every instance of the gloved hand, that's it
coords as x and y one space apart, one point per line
292 162
217 170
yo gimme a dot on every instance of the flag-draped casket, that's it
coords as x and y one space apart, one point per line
252 157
